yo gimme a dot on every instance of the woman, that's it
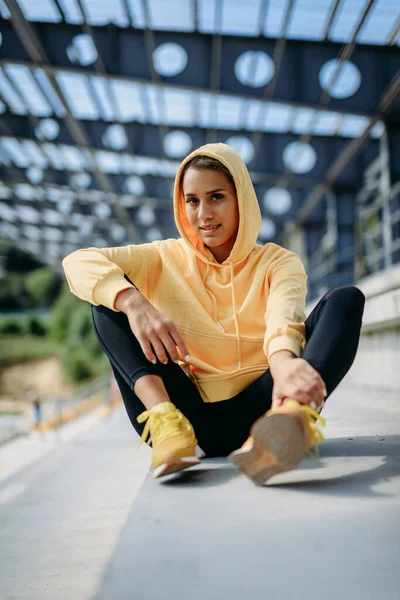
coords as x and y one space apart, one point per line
208 333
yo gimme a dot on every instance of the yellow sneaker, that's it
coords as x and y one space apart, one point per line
172 438
278 442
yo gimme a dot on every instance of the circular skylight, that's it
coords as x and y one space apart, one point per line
28 214
48 129
86 228
72 237
115 137
134 185
52 217
34 174
346 83
118 232
177 144
170 59
102 210
145 216
65 206
243 146
277 201
254 68
82 50
129 201
80 180
299 157
267 229
7 213
153 234
32 232
51 234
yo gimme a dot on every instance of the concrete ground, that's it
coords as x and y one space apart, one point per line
80 520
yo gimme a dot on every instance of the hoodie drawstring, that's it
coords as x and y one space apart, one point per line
239 349
214 302
215 312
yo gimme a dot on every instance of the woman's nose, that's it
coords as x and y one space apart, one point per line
204 211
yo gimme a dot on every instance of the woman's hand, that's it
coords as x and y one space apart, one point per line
295 378
155 332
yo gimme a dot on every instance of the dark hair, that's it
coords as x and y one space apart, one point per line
206 162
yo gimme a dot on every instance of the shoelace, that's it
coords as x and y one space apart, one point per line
317 436
162 426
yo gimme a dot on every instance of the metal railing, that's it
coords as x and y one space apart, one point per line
54 412
374 244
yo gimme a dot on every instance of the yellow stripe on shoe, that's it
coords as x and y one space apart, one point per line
279 441
172 438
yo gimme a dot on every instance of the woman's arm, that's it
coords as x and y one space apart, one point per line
285 336
285 313
96 275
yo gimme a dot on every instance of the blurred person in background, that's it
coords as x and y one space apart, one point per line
37 408
208 332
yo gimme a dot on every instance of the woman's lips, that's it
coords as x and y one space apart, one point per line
210 231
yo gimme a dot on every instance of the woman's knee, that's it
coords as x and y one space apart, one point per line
349 296
108 321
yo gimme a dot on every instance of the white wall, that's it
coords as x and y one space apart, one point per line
377 363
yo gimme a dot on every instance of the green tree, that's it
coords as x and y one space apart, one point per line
43 286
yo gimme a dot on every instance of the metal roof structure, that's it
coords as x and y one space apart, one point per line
101 99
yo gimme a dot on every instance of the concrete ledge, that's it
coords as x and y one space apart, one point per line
328 530
382 307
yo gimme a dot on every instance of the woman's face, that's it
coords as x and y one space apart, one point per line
210 200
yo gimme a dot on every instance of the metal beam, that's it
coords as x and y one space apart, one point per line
387 101
269 88
392 39
155 77
215 72
344 55
51 70
195 8
331 18
259 178
37 54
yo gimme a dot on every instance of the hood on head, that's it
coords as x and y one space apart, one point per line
249 210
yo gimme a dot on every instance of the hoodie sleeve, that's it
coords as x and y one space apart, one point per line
96 275
285 316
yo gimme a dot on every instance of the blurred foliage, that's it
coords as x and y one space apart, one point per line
16 260
35 326
9 326
43 286
37 289
13 294
71 324
15 349
67 331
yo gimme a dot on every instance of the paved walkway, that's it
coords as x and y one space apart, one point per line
78 522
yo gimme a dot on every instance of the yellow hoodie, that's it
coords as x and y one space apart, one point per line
232 315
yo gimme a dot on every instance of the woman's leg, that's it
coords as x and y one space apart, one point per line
332 336
131 367
333 332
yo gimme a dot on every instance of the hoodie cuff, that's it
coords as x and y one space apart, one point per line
284 342
107 289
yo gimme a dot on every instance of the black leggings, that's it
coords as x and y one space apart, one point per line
332 335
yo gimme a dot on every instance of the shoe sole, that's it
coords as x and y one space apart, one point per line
278 446
174 465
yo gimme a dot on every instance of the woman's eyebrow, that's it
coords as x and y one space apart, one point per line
207 193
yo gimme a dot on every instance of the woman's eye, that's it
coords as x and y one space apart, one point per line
217 196
191 200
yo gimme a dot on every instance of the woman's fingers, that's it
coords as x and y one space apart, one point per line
166 345
180 343
147 349
159 349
